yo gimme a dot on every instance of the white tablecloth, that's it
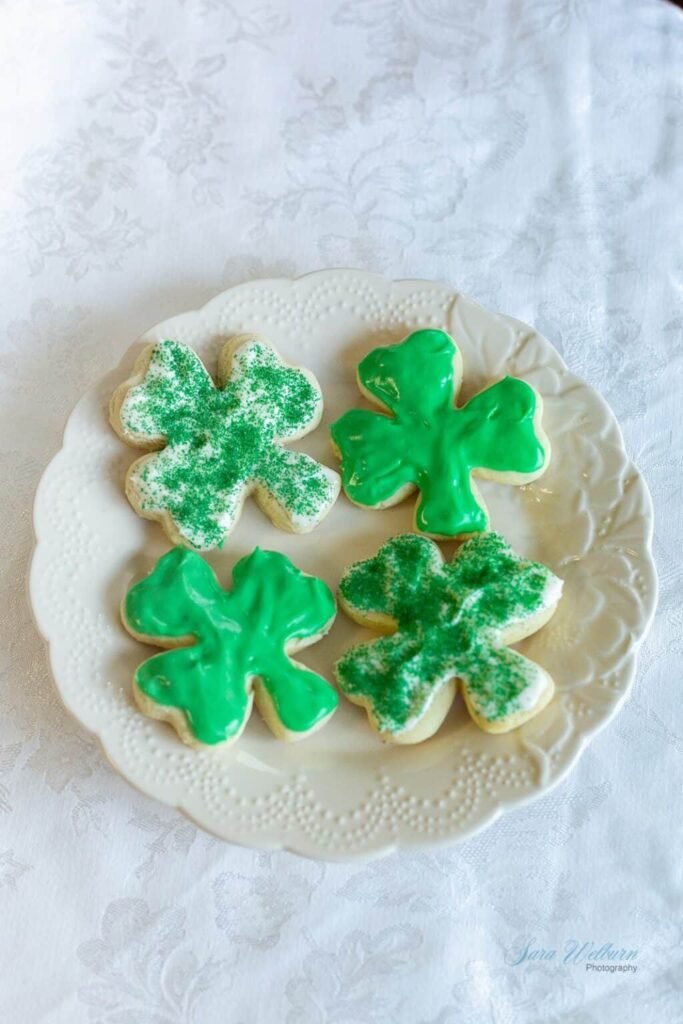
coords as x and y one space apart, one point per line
526 151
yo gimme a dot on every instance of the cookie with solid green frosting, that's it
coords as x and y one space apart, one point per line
422 440
227 648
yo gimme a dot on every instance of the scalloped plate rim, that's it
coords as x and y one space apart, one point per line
380 850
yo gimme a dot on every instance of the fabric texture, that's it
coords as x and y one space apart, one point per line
529 153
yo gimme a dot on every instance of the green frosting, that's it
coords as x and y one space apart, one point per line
448 620
235 638
220 442
429 442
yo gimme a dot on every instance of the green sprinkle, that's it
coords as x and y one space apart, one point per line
220 442
449 618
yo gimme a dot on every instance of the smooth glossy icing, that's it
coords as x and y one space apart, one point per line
449 619
220 442
234 637
429 442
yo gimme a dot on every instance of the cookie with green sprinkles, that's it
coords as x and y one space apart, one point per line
213 444
420 439
226 649
447 625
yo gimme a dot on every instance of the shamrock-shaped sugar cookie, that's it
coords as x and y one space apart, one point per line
221 443
447 622
229 648
429 443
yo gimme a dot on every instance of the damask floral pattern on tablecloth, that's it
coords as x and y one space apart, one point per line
528 152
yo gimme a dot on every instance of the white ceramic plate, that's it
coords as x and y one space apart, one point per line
342 794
